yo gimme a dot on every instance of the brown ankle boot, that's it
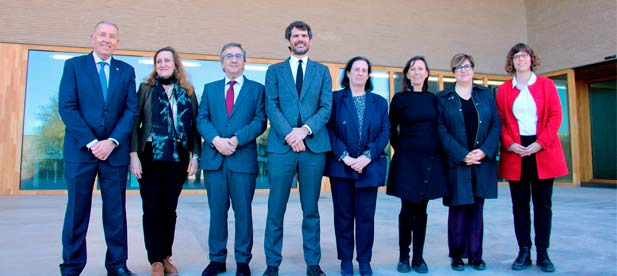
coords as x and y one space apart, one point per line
170 269
157 269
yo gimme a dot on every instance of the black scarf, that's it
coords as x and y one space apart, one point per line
167 136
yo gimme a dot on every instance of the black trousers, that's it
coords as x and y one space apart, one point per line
160 186
540 191
412 222
353 206
466 230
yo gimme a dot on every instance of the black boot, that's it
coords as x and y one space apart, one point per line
404 240
419 233
523 260
543 261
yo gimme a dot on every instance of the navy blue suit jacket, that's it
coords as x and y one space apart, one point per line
247 121
87 117
343 129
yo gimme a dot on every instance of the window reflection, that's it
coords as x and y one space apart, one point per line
42 165
561 81
381 83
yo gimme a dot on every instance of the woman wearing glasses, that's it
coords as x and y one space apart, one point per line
165 146
359 132
416 173
531 152
469 128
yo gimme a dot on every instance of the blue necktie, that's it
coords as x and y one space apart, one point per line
103 78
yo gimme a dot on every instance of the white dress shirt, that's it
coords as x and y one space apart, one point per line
237 87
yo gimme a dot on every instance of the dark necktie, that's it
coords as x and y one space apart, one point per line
299 77
229 98
103 78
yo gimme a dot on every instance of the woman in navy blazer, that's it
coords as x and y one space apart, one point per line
359 133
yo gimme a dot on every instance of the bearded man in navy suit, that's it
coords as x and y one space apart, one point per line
98 105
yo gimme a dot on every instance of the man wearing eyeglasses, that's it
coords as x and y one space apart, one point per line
298 103
231 116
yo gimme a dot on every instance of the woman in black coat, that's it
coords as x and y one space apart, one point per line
416 173
469 128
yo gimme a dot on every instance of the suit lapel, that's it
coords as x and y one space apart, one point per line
93 75
368 116
288 77
241 96
309 77
219 98
114 75
350 108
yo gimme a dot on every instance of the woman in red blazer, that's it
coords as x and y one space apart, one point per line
531 152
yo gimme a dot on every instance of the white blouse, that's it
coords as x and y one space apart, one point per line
524 107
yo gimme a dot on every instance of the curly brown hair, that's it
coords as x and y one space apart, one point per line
535 59
179 73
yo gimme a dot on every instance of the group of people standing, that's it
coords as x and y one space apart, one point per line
445 146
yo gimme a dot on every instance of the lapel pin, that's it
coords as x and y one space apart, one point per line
117 69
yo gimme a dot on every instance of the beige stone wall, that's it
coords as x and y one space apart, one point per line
571 33
387 32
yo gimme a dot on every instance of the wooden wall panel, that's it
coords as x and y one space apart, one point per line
586 164
12 97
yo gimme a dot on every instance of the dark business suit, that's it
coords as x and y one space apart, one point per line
232 176
283 106
87 116
355 194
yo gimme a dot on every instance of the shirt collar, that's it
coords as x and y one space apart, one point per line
530 81
239 80
294 60
97 59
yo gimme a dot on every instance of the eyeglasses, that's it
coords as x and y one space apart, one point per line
521 55
462 68
230 56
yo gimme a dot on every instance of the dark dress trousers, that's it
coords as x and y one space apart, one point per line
161 182
283 106
88 116
231 178
354 194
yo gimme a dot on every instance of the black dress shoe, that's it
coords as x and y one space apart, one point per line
478 264
419 266
314 270
346 268
403 265
523 260
243 269
365 269
271 271
213 269
457 264
544 262
121 272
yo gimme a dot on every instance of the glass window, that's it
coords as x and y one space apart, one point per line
42 164
433 83
561 81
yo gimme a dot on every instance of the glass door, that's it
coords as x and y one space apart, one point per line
602 117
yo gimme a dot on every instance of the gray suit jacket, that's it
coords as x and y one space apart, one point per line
283 105
247 121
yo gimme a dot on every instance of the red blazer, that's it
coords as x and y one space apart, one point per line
550 159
